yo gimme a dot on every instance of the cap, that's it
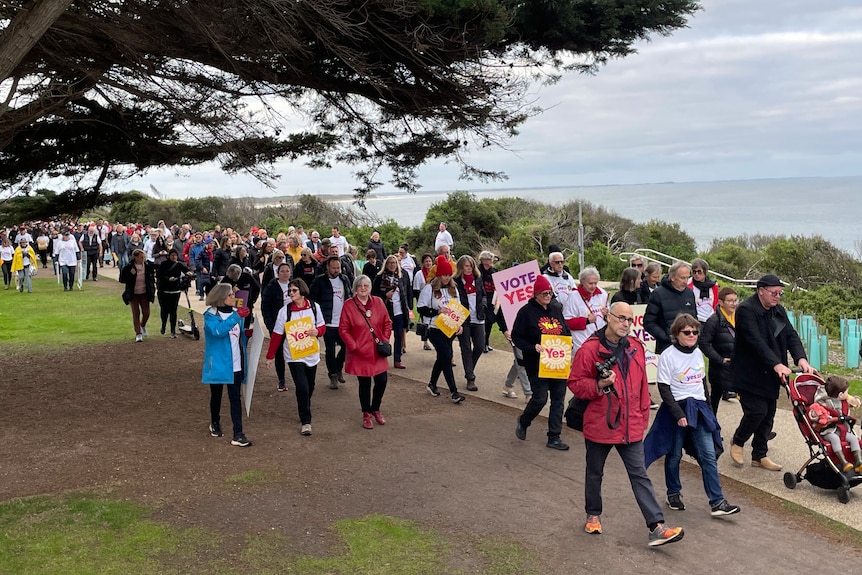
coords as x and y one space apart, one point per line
173 251
769 280
541 284
208 241
291 229
444 268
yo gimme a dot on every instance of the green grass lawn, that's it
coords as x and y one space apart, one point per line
50 318
78 535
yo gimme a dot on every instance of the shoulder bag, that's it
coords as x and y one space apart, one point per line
384 348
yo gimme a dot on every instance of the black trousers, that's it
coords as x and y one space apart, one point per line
758 414
168 304
370 400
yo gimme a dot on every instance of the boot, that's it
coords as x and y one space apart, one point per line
736 454
843 463
333 381
341 377
857 457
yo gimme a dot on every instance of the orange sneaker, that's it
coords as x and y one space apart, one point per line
662 534
593 526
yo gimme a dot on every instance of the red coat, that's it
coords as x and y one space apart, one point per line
362 358
634 398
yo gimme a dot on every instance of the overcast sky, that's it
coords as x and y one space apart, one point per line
752 89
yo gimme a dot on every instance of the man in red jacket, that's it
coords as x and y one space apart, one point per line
617 417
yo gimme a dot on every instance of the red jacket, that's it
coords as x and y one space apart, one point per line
633 392
362 358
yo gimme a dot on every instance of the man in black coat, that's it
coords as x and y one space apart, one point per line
330 291
670 299
764 335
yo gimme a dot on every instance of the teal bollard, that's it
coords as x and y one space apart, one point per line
814 353
851 351
824 348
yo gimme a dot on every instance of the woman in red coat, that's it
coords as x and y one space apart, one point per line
362 359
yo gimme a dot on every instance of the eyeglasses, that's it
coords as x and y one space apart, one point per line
689 331
778 293
697 271
293 290
547 293
622 318
637 265
730 301
557 262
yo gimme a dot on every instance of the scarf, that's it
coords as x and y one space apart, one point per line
683 348
731 319
224 309
469 283
704 287
585 294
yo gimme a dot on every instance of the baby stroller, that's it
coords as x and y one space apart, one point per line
822 468
191 328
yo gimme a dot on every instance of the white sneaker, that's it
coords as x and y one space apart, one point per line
139 337
143 331
306 429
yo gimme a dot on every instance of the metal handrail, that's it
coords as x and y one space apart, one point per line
641 253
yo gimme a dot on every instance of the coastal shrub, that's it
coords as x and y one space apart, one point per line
667 238
828 304
526 242
810 262
599 255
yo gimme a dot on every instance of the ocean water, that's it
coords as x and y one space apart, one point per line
829 207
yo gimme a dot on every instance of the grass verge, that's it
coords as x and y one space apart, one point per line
77 535
50 318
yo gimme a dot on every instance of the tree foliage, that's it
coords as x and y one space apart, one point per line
102 90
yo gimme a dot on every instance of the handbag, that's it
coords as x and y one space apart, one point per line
574 414
33 270
384 348
421 329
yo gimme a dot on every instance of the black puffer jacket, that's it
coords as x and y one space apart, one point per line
717 340
664 305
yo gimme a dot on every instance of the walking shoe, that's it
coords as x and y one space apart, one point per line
144 330
367 421
457 397
399 365
728 395
240 441
341 377
162 331
432 389
765 463
520 431
305 429
736 455
471 385
593 525
662 534
557 444
772 435
139 337
173 335
724 508
215 430
426 347
282 386
201 298
674 501
378 417
333 381
653 405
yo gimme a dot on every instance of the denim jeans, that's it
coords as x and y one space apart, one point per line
68 276
517 371
303 381
201 282
334 350
703 442
632 455
24 280
398 331
472 341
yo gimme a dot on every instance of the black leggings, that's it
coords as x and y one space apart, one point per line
7 272
234 394
370 402
168 304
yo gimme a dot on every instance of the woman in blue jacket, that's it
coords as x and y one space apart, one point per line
224 359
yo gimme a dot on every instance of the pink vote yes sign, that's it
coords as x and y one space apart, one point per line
514 287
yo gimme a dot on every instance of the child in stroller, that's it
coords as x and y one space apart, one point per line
829 414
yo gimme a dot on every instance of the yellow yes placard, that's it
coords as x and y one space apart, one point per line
449 323
300 343
555 361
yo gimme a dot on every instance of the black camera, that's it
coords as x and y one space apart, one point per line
604 370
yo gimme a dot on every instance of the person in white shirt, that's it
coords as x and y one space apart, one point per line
586 309
66 255
338 240
562 282
7 251
443 238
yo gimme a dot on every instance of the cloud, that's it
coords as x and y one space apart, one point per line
749 90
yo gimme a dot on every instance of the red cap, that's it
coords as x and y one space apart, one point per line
542 284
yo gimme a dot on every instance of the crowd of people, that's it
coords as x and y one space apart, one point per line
314 292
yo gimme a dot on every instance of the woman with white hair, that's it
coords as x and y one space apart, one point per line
585 310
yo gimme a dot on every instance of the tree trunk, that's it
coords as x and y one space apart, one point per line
25 29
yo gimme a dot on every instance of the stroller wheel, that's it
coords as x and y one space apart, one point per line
196 332
843 494
790 480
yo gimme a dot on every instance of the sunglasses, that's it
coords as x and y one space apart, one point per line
547 293
689 331
623 318
637 265
557 262
293 290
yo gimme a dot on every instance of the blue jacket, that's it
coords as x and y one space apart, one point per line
660 437
218 361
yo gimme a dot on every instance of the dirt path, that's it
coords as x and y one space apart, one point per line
129 421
